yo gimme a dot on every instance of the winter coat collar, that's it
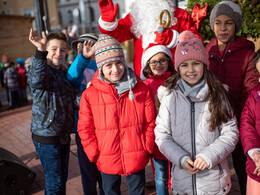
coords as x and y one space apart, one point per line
163 76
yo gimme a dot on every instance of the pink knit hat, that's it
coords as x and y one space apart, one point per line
189 48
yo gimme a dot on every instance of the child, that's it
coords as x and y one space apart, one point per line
53 108
250 135
196 129
230 58
80 74
22 78
157 66
116 120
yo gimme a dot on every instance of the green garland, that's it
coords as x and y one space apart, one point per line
250 19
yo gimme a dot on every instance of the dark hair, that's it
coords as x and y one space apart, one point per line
219 106
256 57
147 70
56 35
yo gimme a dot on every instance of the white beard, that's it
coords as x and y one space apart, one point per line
146 14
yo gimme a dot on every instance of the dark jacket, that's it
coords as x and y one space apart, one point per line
53 102
234 68
250 129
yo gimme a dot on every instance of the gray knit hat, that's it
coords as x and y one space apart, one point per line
227 8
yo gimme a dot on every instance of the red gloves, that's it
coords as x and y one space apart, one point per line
108 11
165 37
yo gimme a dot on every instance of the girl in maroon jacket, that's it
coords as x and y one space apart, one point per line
250 135
116 120
157 66
230 58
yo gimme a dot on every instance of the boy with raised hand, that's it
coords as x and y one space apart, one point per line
53 108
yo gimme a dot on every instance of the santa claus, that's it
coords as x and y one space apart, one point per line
141 25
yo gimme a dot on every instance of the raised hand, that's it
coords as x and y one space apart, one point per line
87 51
200 164
256 155
36 40
108 10
165 37
188 165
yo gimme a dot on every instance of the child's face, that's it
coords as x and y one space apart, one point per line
191 71
258 66
224 29
57 50
113 71
159 63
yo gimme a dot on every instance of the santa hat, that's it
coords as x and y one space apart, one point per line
150 51
229 9
189 48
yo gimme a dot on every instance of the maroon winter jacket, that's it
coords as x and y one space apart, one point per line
250 128
235 68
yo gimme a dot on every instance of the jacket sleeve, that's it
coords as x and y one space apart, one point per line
250 78
86 129
121 30
223 145
75 72
163 135
249 137
38 74
149 122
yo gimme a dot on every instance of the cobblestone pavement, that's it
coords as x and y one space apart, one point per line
15 137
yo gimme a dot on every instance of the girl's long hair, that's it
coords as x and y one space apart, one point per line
219 106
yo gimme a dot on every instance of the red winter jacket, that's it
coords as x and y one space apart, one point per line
123 33
250 128
235 69
115 132
154 82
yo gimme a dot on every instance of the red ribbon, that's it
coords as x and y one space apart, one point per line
198 14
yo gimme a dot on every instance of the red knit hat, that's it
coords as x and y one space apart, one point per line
189 48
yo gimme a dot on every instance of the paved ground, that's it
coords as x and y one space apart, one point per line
15 137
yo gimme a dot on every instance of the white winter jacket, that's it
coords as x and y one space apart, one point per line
175 139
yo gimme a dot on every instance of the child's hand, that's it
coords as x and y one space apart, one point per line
200 164
36 40
88 85
188 165
256 155
88 49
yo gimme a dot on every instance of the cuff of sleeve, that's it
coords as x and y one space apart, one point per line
41 54
182 160
108 26
251 151
82 57
175 39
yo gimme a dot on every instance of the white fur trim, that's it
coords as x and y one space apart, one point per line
108 26
175 39
150 52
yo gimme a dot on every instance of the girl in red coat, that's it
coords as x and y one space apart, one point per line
116 120
157 66
250 135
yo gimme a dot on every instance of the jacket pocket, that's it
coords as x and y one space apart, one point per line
48 118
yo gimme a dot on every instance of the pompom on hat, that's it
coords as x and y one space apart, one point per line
229 9
150 51
107 49
85 37
189 48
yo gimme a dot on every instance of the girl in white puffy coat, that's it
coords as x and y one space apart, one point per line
195 128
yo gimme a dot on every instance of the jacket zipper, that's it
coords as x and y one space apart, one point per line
193 147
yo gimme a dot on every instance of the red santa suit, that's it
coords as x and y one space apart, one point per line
122 31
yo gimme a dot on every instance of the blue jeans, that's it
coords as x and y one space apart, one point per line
55 161
135 181
161 176
90 175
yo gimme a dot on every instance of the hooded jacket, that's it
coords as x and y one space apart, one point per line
250 129
115 132
176 139
53 102
234 68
